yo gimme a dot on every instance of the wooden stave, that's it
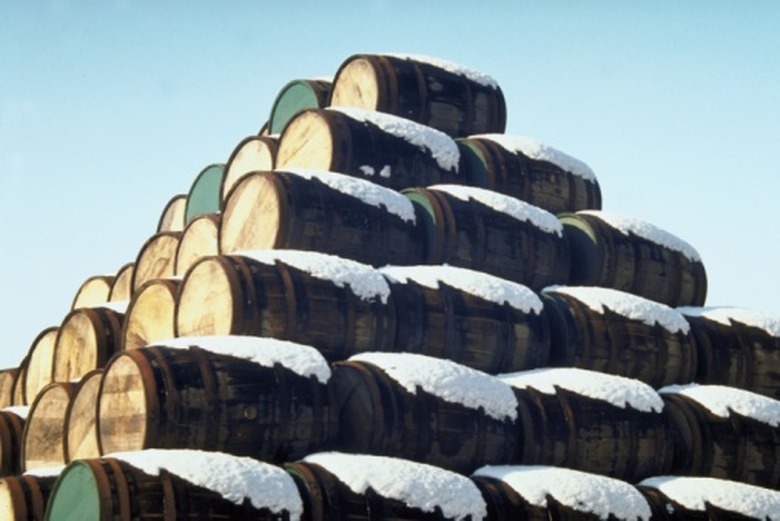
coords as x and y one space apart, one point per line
158 325
28 494
54 434
155 259
40 363
17 391
72 452
11 437
233 175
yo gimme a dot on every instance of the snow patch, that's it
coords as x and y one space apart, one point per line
119 306
455 68
20 410
726 315
721 400
46 472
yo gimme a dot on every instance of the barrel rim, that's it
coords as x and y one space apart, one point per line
225 190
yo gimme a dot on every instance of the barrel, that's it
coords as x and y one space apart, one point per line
338 306
156 259
24 497
296 96
385 411
454 99
188 397
469 317
151 313
93 291
337 486
40 363
122 288
42 444
722 433
86 340
531 171
632 255
172 217
615 332
17 391
205 193
387 150
199 239
321 211
12 422
486 231
80 432
7 381
172 485
254 153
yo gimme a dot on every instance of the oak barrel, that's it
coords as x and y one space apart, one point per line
151 313
469 317
7 382
93 291
156 259
172 217
17 391
189 397
321 211
122 288
23 497
199 239
40 363
12 422
43 445
80 435
254 153
205 195
632 255
483 230
447 96
387 150
531 171
296 96
338 306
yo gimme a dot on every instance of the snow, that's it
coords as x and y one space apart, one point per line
539 151
119 306
20 410
455 68
693 492
516 208
369 171
233 477
725 315
617 390
441 147
483 285
450 381
364 281
46 472
303 360
581 491
721 400
366 191
626 304
417 485
645 230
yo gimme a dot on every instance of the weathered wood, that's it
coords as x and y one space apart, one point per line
172 217
43 431
40 363
156 259
7 381
296 96
93 291
11 436
17 393
151 313
205 194
252 154
24 497
122 288
80 435
199 239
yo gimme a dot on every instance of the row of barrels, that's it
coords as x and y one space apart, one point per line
278 401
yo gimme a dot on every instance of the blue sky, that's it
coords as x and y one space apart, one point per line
107 109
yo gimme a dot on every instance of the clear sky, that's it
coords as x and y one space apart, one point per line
109 108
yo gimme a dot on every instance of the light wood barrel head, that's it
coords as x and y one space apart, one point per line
75 351
43 432
122 288
11 502
95 290
172 218
81 437
17 393
7 380
40 365
255 215
126 404
307 142
206 299
255 153
156 259
200 239
151 315
356 85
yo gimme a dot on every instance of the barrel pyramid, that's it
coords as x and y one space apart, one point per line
382 306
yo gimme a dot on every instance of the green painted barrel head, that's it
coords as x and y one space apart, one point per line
296 96
205 195
426 217
75 496
475 163
584 243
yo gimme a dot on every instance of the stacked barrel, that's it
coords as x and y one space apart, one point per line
383 306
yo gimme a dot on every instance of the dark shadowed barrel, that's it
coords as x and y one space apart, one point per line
122 288
241 395
199 239
296 96
530 171
172 216
40 363
469 317
381 148
338 486
486 231
151 314
156 259
93 291
42 444
447 96
205 195
338 306
12 422
321 211
635 256
619 333
425 409
24 497
80 435
254 153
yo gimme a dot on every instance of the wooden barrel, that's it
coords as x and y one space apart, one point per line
338 306
40 363
447 96
24 497
254 153
93 291
80 435
7 381
199 239
539 493
321 211
174 397
593 422
122 288
172 217
487 231
425 409
42 444
151 314
381 148
725 433
178 485
17 391
156 259
635 256
12 422
619 333
87 338
296 96
336 486
205 195
531 171
469 317
736 347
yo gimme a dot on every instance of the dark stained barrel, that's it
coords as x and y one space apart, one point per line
447 96
199 239
80 435
531 171
387 150
11 437
337 486
296 96
93 291
254 153
24 497
321 211
189 397
469 317
619 333
486 231
205 195
631 255
338 306
151 314
42 440
40 363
